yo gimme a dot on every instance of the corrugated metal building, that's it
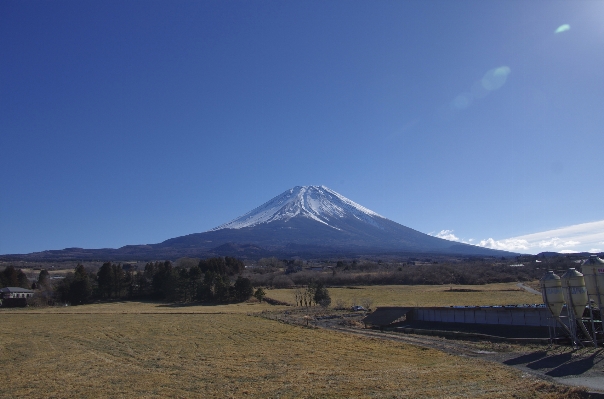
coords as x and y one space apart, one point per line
532 316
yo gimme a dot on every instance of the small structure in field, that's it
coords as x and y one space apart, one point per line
386 316
14 296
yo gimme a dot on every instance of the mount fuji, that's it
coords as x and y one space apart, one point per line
304 220
317 203
316 218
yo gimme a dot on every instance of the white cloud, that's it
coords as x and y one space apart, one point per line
446 235
584 237
509 244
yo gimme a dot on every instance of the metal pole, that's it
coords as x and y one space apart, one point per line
549 318
593 325
599 298
572 320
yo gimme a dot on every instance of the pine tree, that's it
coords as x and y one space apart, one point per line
80 289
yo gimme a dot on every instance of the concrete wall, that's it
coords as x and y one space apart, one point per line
537 317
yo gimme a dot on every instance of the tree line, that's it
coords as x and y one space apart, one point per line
373 273
214 280
11 277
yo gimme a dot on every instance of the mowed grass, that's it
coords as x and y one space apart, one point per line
424 295
148 307
202 355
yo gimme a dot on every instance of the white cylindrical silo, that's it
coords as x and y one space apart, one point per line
575 293
551 287
593 272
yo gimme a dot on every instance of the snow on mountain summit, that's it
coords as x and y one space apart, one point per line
313 202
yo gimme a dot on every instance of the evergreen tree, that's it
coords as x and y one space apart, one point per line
234 266
321 295
80 287
141 284
44 280
260 294
105 280
22 280
129 283
165 281
10 277
243 289
117 279
194 281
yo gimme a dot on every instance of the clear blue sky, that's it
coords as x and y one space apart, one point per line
130 122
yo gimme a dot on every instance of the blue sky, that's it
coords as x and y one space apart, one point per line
132 122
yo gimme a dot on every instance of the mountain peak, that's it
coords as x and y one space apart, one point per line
302 221
318 203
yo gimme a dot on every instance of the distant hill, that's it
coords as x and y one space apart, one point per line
305 220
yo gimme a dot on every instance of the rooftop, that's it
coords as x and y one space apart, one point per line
16 289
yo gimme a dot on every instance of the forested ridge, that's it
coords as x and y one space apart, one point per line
213 280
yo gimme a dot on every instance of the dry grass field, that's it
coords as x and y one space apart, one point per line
424 295
124 350
147 307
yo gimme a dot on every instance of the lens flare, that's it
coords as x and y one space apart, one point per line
562 28
495 78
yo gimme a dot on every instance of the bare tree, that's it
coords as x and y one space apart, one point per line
298 296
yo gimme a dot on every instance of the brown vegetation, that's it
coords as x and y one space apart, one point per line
230 355
365 272
421 295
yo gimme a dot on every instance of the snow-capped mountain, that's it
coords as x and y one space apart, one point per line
318 203
304 221
316 219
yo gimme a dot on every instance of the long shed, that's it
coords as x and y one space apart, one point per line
14 296
533 316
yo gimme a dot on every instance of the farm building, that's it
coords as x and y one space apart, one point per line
14 296
530 321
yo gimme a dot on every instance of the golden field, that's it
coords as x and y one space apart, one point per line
423 295
112 350
147 307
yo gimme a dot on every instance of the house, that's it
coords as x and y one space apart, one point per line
14 296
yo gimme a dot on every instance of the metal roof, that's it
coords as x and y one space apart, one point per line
384 316
16 289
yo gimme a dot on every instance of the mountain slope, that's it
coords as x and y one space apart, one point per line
319 217
303 220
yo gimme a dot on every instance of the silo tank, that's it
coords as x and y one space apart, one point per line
575 293
551 287
593 272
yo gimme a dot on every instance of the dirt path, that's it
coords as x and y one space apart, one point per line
583 367
528 289
561 364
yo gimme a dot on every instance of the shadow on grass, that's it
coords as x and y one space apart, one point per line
550 362
160 304
196 304
531 357
573 368
576 367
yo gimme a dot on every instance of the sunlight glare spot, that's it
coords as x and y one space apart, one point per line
495 78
